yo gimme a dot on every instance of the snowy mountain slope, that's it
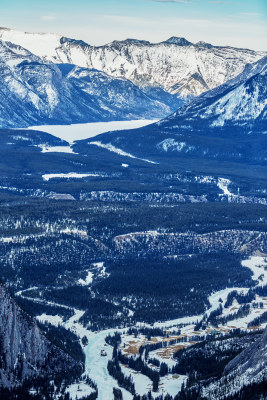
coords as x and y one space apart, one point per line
247 369
35 92
175 65
118 96
241 101
227 123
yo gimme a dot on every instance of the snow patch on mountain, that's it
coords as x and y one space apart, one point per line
172 145
237 104
110 147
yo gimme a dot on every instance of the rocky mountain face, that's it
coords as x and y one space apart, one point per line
176 65
245 373
227 123
24 351
35 92
240 102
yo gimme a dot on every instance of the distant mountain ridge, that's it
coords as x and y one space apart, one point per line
228 123
175 65
240 102
35 92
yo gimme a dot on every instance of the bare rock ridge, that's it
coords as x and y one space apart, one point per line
252 360
240 101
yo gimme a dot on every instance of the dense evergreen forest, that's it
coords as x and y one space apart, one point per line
161 261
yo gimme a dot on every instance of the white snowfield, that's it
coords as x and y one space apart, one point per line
258 266
237 104
69 175
52 319
79 390
70 133
223 184
88 280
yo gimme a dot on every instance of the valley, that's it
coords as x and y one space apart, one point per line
166 341
133 224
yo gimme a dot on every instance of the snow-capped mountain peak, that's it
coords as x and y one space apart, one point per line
175 65
179 41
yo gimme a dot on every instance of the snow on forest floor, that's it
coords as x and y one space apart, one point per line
57 149
79 390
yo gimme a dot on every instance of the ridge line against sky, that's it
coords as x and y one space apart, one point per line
240 23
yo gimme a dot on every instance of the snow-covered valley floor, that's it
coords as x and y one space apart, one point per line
96 364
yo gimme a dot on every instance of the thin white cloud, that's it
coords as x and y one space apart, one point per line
171 1
250 14
48 17
220 2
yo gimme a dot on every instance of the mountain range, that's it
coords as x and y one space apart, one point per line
228 123
35 92
175 65
49 79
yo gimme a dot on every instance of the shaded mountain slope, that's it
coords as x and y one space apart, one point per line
245 376
35 92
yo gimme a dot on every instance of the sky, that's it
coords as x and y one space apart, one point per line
240 23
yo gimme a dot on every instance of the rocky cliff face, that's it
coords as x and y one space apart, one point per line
24 351
248 369
176 65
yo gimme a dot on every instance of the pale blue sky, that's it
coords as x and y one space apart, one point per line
241 23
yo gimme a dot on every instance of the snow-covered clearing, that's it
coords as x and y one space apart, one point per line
258 265
223 185
51 319
171 384
220 297
79 390
57 149
70 175
141 382
70 133
88 280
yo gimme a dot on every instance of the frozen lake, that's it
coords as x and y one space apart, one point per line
70 133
